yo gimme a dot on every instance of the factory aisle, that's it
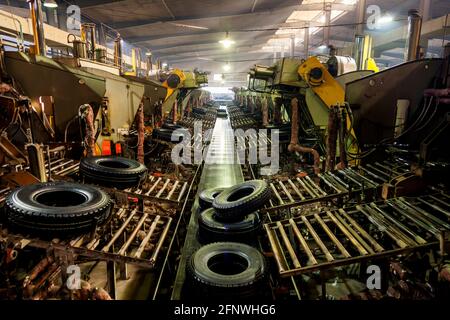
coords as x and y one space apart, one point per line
220 170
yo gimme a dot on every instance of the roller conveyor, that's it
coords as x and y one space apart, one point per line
219 170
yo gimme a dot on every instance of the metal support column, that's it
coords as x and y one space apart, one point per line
38 27
326 30
413 37
292 45
306 41
360 17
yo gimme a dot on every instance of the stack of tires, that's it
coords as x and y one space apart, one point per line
228 266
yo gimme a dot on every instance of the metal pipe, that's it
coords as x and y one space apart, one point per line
161 241
413 37
425 9
360 16
141 133
292 45
306 41
38 27
359 51
303 242
294 146
276 248
326 31
288 245
118 52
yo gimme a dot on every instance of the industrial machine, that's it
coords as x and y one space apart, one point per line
89 188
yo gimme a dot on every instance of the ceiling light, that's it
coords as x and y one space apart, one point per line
323 47
164 64
227 42
227 67
385 19
50 4
148 54
188 26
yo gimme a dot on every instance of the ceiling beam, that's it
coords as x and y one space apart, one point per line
321 6
255 2
186 47
168 9
206 52
140 39
191 19
223 57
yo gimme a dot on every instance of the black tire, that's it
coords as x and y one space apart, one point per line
113 171
168 134
236 202
227 270
57 208
211 229
206 197
171 126
199 111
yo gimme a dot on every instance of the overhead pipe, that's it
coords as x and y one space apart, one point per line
294 145
38 27
413 37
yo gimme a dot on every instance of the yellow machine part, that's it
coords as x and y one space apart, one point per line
171 90
371 65
316 75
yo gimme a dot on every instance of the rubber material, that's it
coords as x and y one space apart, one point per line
235 202
57 208
226 270
212 229
113 171
171 126
206 197
168 134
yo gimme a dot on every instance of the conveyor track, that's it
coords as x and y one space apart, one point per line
220 170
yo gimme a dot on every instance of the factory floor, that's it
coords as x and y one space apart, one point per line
220 170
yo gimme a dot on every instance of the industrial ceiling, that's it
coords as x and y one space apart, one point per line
186 33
